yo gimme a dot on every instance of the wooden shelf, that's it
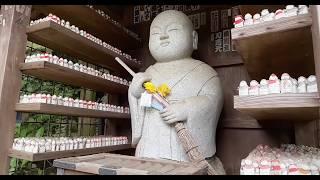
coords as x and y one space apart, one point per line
295 107
90 21
62 154
278 46
56 37
68 111
49 71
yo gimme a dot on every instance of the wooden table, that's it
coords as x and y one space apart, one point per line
115 164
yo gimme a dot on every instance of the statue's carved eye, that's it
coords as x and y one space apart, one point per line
155 33
173 29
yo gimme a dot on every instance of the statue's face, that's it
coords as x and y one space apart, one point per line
171 36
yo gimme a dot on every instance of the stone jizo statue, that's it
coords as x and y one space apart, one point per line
196 97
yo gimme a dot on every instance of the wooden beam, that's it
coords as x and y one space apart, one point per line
315 29
13 41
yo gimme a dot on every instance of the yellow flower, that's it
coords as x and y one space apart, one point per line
164 90
150 87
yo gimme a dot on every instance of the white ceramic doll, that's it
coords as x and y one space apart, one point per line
312 84
238 21
303 9
294 85
70 64
257 19
286 83
248 20
291 10
274 84
254 88
66 101
302 85
266 16
264 88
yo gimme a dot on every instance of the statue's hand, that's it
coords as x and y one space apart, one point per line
174 113
136 86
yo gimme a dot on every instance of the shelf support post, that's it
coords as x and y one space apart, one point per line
13 39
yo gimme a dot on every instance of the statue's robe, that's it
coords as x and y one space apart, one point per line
199 86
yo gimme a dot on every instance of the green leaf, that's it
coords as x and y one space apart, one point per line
40 132
24 163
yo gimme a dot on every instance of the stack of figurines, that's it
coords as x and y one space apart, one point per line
289 159
83 33
51 144
116 23
286 84
75 66
70 102
265 15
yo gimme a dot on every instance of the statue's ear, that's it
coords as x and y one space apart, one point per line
195 40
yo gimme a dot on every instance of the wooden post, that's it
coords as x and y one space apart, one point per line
13 41
311 129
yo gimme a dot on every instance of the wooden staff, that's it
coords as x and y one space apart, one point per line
191 148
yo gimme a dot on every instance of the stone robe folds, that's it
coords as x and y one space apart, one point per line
196 83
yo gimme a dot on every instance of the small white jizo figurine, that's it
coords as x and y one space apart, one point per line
264 88
291 10
248 19
294 85
312 84
238 21
279 14
274 84
254 88
303 9
257 19
243 88
266 16
286 83
302 85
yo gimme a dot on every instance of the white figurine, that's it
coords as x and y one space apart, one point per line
60 101
76 67
54 99
70 64
248 20
65 101
254 88
303 9
286 83
294 85
291 10
76 103
302 85
238 21
257 19
264 88
312 84
279 14
266 16
274 84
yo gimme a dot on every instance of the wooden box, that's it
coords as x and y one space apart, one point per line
115 164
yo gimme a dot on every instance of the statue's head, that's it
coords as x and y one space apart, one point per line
172 36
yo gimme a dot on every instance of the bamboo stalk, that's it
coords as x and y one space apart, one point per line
188 143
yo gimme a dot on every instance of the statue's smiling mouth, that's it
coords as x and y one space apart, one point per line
164 43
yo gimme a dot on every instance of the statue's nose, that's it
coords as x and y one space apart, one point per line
164 36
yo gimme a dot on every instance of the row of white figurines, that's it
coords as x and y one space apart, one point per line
264 160
290 11
78 67
70 102
50 144
103 14
83 33
275 86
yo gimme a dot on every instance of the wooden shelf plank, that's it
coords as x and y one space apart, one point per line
68 111
295 107
62 154
278 46
49 71
87 19
54 36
